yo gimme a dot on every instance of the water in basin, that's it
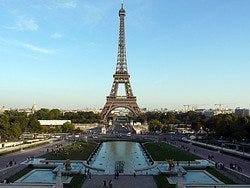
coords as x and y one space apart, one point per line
129 152
41 176
196 177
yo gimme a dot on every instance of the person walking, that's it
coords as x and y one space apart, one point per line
110 183
104 183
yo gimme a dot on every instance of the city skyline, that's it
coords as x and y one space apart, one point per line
63 53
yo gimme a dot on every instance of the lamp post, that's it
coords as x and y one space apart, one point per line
243 147
22 142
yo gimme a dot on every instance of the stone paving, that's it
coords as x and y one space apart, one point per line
122 182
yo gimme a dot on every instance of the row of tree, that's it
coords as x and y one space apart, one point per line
226 126
13 123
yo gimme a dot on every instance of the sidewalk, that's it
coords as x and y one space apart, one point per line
122 182
22 155
10 171
25 146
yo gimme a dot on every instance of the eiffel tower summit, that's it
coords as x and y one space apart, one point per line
121 76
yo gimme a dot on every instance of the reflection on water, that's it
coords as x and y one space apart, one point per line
129 152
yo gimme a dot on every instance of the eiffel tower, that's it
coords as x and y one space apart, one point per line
121 76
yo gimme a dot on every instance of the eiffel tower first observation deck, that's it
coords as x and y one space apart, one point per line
121 76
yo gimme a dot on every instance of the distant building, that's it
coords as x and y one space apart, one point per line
86 126
103 130
3 109
213 112
33 108
208 113
95 111
53 122
243 112
200 110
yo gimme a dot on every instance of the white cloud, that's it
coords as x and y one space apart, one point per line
24 23
59 4
27 46
37 48
56 35
69 4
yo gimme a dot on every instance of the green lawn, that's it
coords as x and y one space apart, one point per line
76 181
162 182
20 174
161 151
220 176
76 151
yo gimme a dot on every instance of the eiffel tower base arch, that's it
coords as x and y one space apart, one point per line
120 102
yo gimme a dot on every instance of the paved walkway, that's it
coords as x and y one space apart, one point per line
218 157
122 182
21 156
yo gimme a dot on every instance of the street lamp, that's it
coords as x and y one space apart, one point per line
243 147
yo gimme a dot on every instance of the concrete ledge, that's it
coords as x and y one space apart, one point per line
93 167
23 185
217 186
147 167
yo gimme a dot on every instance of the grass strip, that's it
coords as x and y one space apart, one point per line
77 151
162 182
220 176
161 151
76 181
19 174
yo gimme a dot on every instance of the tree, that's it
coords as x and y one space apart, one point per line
34 125
155 125
68 127
141 118
15 130
165 128
58 129
55 114
42 114
82 117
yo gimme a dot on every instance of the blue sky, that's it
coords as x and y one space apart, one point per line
62 53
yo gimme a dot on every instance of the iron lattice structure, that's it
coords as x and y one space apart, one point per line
121 76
